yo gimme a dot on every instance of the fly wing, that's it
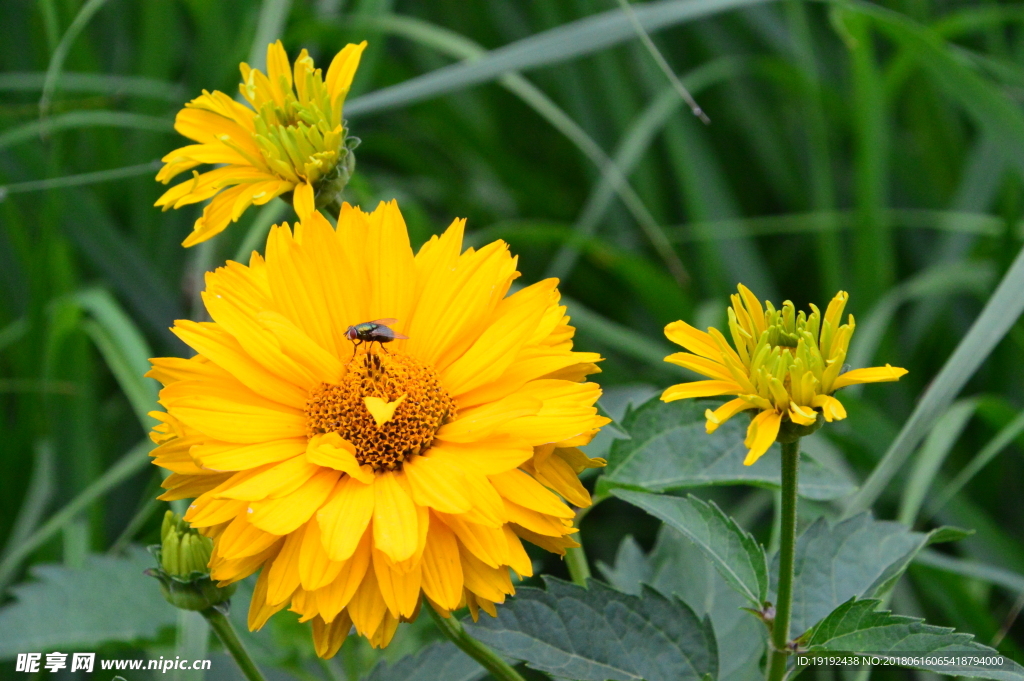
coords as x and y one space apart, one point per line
387 321
386 334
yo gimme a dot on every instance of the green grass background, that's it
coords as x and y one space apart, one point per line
873 147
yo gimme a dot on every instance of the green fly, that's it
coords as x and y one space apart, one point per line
377 331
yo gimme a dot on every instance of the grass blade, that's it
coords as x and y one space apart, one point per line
38 496
272 19
60 53
96 83
80 179
632 147
130 464
124 349
574 39
994 446
73 120
1000 313
459 46
616 336
662 63
937 282
933 453
974 570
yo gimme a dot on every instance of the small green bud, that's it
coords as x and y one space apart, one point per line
183 556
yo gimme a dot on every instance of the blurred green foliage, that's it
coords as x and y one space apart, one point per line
873 147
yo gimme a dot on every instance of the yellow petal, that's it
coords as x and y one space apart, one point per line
303 201
724 413
367 606
702 365
684 391
229 456
284 571
259 610
273 481
491 582
333 598
872 375
328 638
332 451
382 411
285 514
399 589
518 559
395 523
801 415
761 434
694 340
480 422
518 487
487 543
343 519
831 408
437 484
441 567
316 569
558 474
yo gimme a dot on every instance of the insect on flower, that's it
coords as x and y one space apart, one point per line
377 331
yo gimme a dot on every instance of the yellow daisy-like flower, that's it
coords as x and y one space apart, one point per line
783 363
292 135
360 475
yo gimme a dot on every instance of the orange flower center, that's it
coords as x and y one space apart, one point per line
387 376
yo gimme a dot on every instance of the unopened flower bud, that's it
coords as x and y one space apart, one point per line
183 555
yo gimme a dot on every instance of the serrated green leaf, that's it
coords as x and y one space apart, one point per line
857 627
670 449
734 552
860 557
600 634
107 600
677 567
436 661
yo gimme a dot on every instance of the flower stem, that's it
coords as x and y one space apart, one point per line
488 659
576 561
221 626
787 550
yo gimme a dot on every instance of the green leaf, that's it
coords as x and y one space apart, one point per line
676 566
107 600
857 558
857 627
599 634
436 661
669 449
735 553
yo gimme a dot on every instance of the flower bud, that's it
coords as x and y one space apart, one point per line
183 555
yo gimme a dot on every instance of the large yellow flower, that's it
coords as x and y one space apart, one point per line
293 135
785 364
362 476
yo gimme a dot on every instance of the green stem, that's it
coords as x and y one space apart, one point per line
576 557
488 659
787 549
221 626
576 561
